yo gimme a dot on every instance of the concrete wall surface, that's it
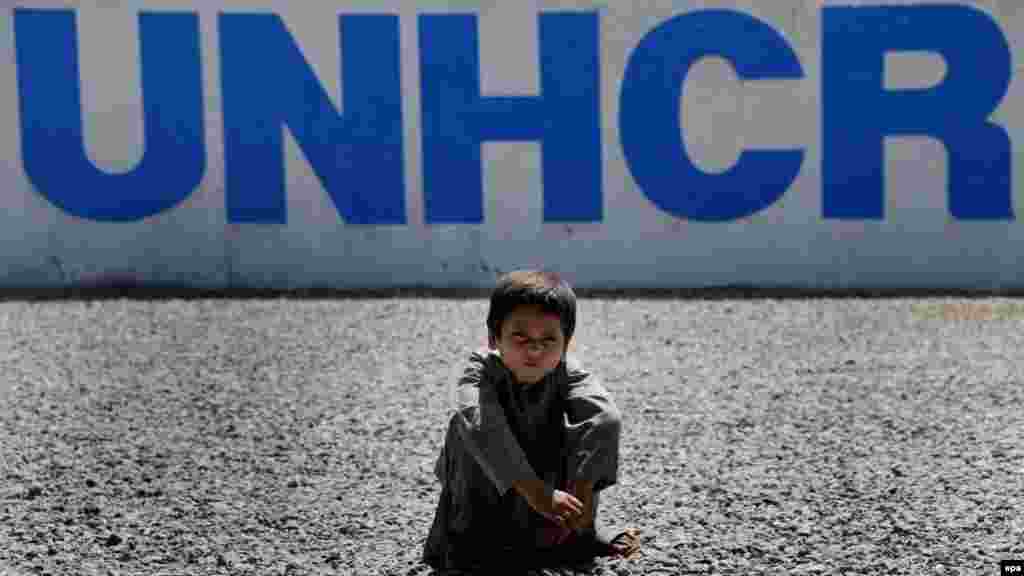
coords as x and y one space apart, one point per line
360 143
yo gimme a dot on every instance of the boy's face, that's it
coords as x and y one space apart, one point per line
531 343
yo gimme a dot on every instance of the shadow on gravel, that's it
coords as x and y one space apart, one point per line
171 292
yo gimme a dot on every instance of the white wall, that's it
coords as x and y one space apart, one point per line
635 244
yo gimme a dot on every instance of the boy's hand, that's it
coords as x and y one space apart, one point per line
565 508
560 507
584 492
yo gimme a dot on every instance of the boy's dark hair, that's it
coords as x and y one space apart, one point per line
533 287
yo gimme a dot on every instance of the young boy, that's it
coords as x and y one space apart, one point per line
533 439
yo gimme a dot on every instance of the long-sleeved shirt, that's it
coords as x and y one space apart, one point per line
521 432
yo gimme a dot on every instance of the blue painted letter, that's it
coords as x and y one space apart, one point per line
859 113
565 118
650 124
267 84
174 159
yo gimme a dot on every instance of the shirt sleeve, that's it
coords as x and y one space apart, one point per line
593 424
480 421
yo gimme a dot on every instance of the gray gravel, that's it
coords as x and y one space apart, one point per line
810 436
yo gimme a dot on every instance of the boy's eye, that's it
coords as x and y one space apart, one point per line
546 342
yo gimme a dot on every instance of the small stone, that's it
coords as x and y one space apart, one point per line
112 540
33 492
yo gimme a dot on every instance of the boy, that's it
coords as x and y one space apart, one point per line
532 441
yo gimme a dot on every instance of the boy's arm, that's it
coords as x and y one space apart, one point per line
487 436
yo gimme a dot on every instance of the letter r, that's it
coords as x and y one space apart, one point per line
859 113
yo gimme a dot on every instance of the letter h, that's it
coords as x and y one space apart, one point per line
565 118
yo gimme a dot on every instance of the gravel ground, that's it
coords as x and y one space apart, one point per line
297 436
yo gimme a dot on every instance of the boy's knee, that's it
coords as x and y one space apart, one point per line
601 430
610 423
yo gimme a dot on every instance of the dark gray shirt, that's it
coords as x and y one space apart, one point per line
518 432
